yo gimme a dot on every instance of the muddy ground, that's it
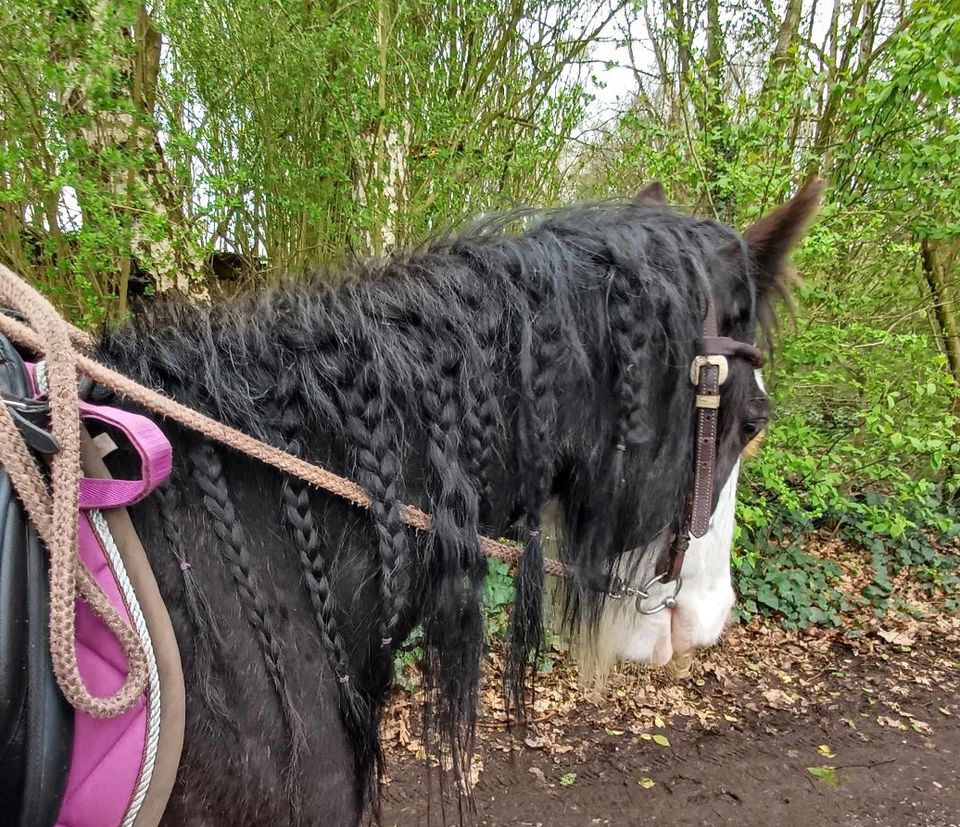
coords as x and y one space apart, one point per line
773 728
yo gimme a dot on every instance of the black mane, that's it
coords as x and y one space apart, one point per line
476 378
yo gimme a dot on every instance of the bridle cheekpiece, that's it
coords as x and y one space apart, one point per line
708 371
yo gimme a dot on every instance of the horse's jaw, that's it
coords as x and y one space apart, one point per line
703 603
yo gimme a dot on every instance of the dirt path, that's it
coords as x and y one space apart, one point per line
881 731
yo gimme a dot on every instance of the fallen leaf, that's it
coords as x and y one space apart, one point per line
899 637
777 698
825 751
661 740
828 775
884 720
646 783
567 779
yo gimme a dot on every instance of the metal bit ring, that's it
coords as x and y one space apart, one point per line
669 602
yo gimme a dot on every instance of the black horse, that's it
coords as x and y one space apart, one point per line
477 378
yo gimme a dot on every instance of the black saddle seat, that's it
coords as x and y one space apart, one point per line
36 722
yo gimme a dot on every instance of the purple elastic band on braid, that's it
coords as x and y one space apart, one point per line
386 641
184 565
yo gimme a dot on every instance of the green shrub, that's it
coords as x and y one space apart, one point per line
863 442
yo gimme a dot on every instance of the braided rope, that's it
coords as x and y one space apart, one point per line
54 515
62 344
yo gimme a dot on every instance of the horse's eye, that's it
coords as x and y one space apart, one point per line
751 428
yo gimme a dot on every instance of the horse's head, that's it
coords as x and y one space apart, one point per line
689 598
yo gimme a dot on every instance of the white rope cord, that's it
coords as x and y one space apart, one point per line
40 371
99 523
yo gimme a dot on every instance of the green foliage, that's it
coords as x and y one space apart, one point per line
498 594
865 432
828 775
407 658
905 127
859 446
136 136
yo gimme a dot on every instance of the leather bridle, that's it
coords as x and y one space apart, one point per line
708 371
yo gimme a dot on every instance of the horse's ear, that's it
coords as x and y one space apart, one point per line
771 238
651 195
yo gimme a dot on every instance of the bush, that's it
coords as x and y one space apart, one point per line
864 443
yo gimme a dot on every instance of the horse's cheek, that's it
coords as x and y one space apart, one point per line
707 597
647 639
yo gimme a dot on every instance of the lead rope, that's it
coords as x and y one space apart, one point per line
55 514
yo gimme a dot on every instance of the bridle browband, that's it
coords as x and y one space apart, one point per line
708 371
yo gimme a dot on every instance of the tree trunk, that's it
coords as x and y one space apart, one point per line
161 242
720 150
781 60
944 309
819 160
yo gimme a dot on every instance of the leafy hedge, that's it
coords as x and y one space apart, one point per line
863 444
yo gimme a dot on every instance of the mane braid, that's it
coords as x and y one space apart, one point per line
368 421
483 417
542 345
355 710
208 475
454 630
629 337
209 647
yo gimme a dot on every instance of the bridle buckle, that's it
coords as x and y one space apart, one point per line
699 362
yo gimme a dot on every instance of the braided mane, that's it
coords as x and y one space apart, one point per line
475 378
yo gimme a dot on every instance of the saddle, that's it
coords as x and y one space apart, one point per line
59 765
36 723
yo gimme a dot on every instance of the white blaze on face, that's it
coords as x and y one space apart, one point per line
703 604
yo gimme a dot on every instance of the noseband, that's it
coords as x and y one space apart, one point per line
708 372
